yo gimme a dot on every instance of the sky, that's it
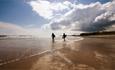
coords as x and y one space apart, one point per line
41 16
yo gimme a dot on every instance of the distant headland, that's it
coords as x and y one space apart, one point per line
98 33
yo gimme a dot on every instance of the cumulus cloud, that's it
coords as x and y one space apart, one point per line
66 15
92 17
48 9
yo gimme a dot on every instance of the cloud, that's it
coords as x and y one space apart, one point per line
11 29
48 9
92 17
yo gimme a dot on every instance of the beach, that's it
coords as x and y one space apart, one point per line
76 53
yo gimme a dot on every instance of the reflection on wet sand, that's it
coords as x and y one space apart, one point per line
86 54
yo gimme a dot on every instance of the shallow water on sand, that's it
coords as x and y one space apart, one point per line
20 48
73 54
14 49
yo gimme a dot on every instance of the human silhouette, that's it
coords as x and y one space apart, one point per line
53 37
64 36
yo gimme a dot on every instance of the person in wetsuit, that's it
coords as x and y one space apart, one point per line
53 37
64 36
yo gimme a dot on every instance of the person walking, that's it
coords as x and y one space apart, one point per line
64 36
53 37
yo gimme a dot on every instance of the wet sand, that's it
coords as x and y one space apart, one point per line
90 53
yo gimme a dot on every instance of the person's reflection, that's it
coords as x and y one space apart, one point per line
64 44
52 47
